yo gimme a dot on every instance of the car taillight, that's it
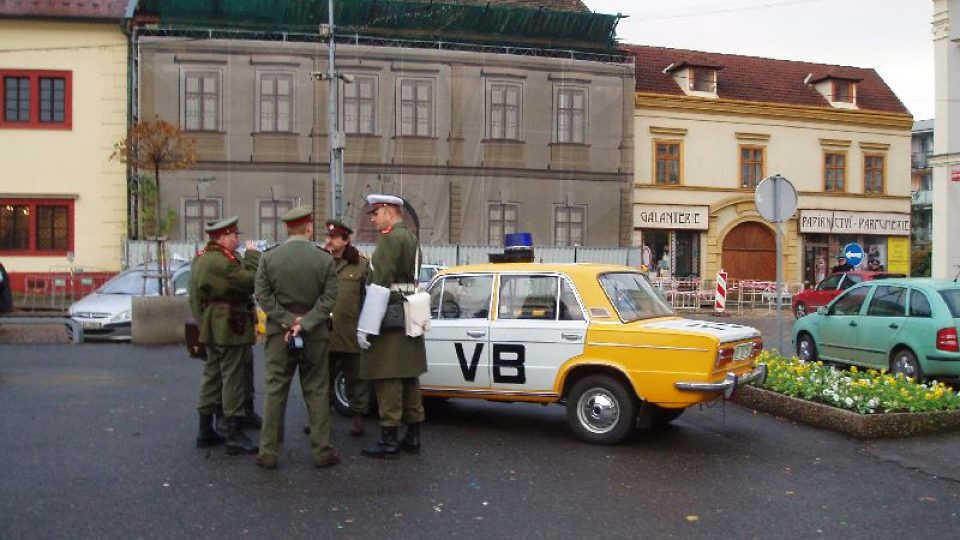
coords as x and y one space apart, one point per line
757 347
724 356
947 340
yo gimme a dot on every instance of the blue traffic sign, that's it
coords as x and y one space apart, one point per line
854 254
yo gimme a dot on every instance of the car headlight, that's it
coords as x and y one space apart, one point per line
122 317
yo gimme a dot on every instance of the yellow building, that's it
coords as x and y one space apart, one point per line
63 85
709 127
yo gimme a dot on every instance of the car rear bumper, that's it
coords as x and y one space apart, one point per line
729 383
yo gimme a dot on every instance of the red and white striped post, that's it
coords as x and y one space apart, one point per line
720 294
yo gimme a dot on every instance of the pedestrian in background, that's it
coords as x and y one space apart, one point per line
842 265
394 360
351 268
296 287
221 285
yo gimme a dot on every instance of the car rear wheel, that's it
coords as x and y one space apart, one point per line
338 392
904 361
806 348
801 310
601 410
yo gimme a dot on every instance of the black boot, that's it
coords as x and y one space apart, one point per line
207 436
387 447
251 420
411 439
220 421
237 440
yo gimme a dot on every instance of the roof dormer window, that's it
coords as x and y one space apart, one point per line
695 76
837 86
842 91
702 79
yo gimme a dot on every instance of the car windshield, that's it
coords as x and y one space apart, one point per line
952 298
132 283
634 297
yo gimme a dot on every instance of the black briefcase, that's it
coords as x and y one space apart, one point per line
191 332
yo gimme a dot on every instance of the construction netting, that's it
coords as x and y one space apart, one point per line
497 24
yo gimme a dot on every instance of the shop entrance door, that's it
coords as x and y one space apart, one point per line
750 252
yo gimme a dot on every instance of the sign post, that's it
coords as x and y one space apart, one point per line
776 200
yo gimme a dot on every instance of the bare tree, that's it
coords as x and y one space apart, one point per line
156 145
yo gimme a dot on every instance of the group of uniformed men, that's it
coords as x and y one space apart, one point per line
312 297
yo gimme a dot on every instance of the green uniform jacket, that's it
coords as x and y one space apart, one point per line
392 354
220 289
351 280
297 276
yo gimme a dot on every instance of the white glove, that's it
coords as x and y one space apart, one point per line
362 340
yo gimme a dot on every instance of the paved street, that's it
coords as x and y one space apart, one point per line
98 442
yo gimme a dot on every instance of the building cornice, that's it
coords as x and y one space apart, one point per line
749 193
778 111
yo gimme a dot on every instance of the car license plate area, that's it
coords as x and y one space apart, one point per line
91 325
742 351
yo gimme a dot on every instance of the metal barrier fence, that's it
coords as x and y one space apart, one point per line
695 294
55 291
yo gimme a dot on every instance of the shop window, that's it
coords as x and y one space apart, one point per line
834 171
502 218
873 173
360 106
36 227
667 163
751 166
196 213
36 99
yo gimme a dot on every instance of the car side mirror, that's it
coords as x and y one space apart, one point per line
822 310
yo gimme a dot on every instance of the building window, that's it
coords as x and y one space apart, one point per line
702 80
36 99
360 106
842 91
667 163
201 101
36 227
416 108
873 169
504 111
269 225
569 225
834 171
276 102
502 218
571 115
751 166
196 214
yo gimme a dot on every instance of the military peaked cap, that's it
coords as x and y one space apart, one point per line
333 226
298 216
377 200
224 226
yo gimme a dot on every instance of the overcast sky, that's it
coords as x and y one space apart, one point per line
891 36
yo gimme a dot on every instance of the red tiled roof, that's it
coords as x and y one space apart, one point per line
765 80
64 9
555 5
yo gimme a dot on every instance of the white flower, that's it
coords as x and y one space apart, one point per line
848 402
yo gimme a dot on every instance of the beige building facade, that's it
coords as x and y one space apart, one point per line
710 127
63 84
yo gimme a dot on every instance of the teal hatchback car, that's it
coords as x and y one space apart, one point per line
906 325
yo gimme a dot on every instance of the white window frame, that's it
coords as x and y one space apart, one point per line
582 208
418 83
346 103
188 201
558 133
258 101
197 70
492 112
489 222
280 228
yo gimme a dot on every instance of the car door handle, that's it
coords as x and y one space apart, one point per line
476 333
853 323
570 337
894 325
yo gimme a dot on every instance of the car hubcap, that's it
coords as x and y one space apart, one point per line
801 310
598 410
340 390
806 349
905 366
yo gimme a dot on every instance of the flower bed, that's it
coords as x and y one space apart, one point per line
861 403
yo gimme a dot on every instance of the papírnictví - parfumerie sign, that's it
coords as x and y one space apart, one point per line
842 222
671 216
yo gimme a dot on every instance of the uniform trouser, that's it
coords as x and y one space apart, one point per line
399 401
224 382
314 367
247 377
358 390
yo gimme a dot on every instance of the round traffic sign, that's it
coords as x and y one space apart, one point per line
776 198
854 254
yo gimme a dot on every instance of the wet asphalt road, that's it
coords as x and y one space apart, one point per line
98 443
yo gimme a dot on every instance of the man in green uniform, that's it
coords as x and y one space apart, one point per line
220 289
296 287
351 279
394 361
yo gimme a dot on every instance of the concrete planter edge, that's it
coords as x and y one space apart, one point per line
859 426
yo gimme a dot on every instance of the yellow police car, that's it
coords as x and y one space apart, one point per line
598 338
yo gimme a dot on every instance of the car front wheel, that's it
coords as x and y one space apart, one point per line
806 348
904 361
601 410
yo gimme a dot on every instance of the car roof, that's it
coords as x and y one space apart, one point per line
932 283
574 270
